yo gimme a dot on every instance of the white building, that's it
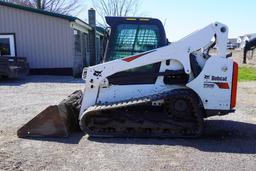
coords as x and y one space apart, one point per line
52 43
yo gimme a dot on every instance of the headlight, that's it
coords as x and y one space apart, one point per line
84 73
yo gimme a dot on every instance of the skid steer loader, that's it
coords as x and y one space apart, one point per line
147 87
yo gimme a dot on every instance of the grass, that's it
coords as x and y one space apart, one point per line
246 74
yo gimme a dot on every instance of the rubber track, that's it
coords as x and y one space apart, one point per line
168 128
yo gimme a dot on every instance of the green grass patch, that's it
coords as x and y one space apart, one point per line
246 74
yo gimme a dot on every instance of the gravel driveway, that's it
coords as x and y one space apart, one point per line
229 142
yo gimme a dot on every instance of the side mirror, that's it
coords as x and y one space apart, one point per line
108 32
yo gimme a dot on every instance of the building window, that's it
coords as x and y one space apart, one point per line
78 47
98 55
7 45
85 48
85 42
102 47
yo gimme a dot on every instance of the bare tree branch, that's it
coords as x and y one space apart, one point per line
57 6
115 8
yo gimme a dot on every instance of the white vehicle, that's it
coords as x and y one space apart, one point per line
146 87
230 46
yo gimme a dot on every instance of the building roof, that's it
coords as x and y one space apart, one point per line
100 29
52 14
39 11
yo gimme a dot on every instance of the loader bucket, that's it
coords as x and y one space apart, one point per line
55 121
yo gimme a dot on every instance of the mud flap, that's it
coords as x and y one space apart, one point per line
55 121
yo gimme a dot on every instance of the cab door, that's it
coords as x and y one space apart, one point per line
132 37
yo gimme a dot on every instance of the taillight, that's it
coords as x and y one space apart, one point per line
234 85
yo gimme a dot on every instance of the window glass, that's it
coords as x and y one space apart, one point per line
147 38
131 39
124 41
98 57
5 46
84 48
78 47
85 41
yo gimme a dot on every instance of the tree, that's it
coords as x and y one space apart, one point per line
57 6
22 2
116 8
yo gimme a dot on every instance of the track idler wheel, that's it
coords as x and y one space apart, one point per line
184 105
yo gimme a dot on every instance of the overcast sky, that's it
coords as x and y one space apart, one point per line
181 17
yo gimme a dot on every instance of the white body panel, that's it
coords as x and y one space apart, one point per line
125 92
217 70
98 90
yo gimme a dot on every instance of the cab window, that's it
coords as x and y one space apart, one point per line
131 39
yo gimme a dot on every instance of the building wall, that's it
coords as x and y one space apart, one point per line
47 42
82 56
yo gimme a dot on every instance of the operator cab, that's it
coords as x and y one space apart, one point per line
130 36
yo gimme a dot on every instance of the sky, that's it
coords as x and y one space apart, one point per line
182 17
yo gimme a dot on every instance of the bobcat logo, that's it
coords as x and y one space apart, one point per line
207 77
97 73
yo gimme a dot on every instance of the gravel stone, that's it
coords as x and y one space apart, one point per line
228 142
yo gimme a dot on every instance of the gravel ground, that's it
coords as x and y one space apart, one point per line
229 142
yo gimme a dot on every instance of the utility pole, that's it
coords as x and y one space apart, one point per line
92 37
38 4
